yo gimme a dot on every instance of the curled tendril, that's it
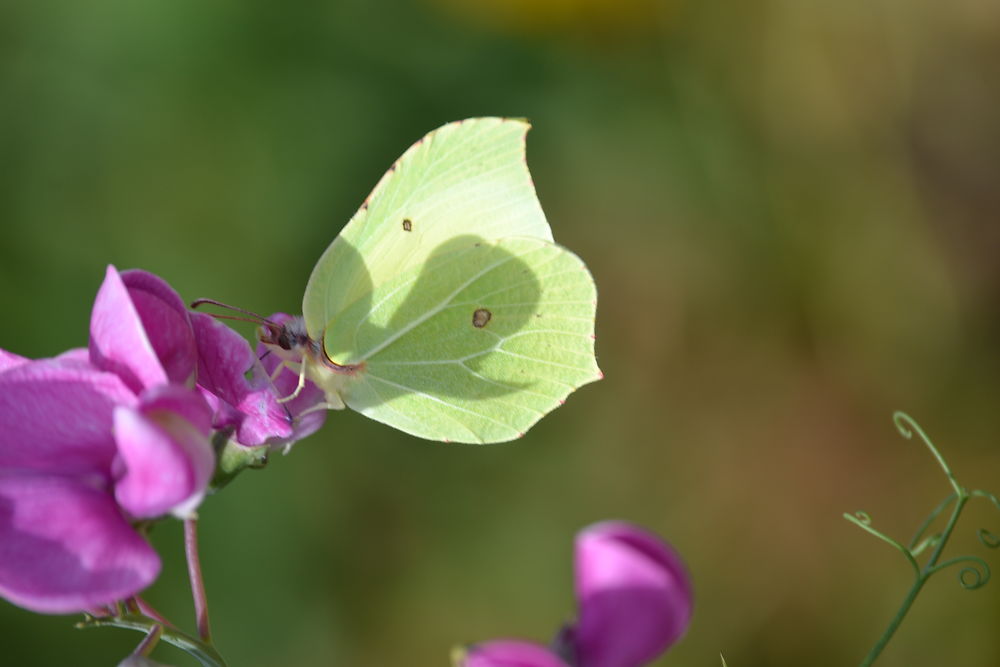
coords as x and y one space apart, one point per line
864 521
975 574
907 426
979 493
989 540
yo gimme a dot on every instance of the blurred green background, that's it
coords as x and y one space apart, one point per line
790 210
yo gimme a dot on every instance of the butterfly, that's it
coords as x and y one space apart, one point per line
444 308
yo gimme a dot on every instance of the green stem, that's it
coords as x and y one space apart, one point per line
907 427
918 583
894 624
205 653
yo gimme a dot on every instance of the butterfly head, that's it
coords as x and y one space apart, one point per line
288 339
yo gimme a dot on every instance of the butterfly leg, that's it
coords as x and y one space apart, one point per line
277 371
298 387
321 406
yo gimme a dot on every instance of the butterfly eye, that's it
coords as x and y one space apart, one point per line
283 342
481 317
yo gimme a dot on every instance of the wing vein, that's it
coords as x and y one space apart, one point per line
433 311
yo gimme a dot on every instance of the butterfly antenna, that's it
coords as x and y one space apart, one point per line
257 319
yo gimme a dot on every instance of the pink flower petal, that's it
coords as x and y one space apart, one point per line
178 410
76 354
249 405
10 360
56 415
635 596
164 317
65 546
167 462
118 339
510 653
181 401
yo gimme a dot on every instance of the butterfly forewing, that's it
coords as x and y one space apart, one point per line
466 178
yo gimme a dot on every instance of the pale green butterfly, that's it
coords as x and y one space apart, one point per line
443 308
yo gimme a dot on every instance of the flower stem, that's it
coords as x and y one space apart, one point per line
205 653
197 583
149 642
148 610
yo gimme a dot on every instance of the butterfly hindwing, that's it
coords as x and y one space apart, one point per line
475 346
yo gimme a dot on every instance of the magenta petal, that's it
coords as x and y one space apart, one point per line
118 340
56 415
634 593
179 400
167 462
65 546
185 415
10 360
250 406
164 317
510 653
305 420
76 354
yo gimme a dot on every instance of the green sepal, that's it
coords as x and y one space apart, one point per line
233 458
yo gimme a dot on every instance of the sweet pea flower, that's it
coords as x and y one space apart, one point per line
635 601
192 345
93 441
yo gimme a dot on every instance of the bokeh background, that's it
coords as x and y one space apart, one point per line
789 207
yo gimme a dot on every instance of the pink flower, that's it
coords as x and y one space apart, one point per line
95 440
635 601
92 441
